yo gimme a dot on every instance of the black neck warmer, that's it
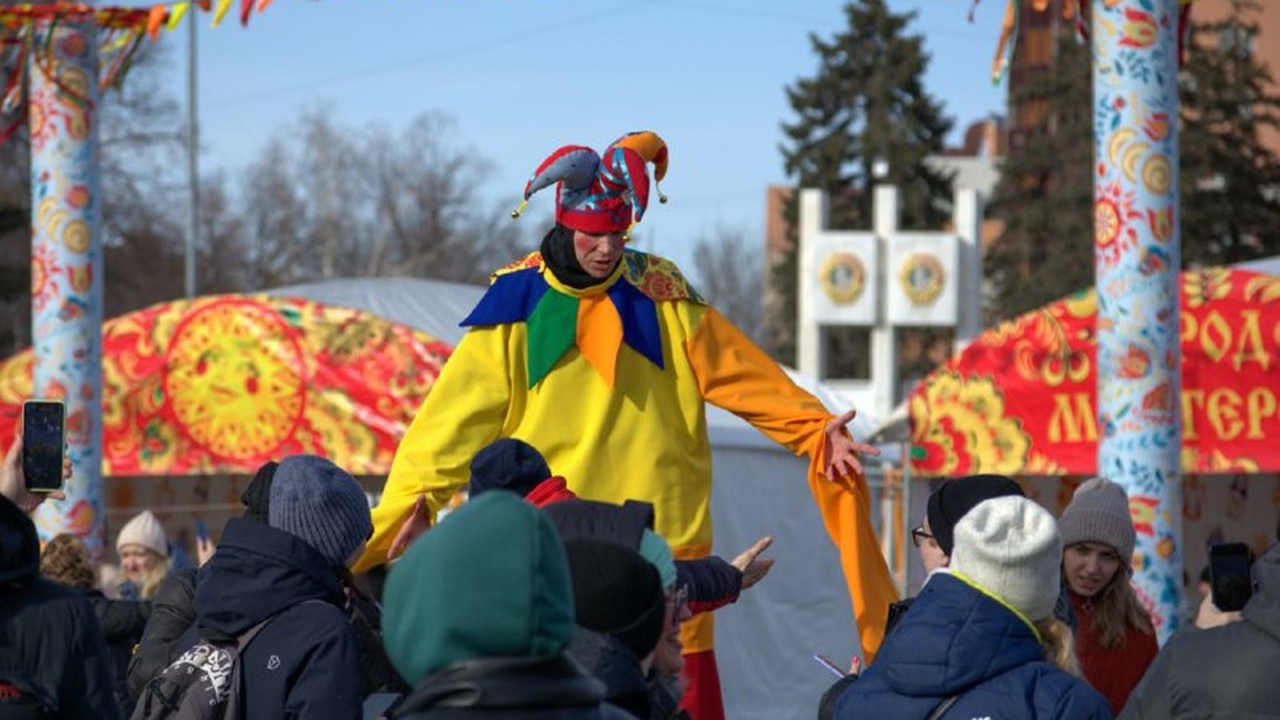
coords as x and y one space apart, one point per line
558 254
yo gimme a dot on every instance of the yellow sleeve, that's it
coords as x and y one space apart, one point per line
464 411
735 374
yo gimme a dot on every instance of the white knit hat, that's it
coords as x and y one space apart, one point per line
1010 547
145 530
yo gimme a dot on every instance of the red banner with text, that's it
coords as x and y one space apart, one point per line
1020 400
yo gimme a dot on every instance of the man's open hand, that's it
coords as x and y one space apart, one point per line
842 450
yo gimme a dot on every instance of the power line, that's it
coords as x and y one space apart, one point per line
536 33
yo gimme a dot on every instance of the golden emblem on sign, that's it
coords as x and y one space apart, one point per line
922 278
843 277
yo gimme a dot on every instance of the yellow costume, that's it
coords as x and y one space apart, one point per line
621 417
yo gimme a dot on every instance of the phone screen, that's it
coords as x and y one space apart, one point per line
1230 575
43 441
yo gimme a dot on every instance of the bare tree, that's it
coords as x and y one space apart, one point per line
731 274
222 267
141 153
140 175
325 201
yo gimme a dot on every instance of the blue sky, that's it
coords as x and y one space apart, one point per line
522 77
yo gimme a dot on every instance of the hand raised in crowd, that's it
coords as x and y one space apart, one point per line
842 451
14 486
753 567
204 550
1210 616
417 523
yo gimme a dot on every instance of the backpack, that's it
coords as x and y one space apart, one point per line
18 705
203 684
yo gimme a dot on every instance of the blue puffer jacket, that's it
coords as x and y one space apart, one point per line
955 640
306 662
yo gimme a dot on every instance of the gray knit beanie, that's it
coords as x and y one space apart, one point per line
322 504
1099 513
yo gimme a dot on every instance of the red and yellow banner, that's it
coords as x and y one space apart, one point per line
1021 399
222 384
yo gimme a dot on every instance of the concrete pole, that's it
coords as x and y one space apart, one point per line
193 158
66 268
1135 92
884 341
966 217
814 213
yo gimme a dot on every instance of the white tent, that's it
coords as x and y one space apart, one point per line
766 641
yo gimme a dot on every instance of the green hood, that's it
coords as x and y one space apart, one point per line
491 580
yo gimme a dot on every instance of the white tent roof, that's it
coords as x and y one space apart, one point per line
436 307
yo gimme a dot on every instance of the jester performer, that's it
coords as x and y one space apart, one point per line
602 357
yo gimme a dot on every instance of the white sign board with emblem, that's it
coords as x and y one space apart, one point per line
840 269
922 278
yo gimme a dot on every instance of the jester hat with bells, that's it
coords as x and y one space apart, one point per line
601 194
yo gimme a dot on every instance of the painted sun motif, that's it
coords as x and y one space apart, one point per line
1115 223
236 379
1107 223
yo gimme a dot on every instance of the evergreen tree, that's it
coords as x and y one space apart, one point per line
1045 193
865 105
1230 180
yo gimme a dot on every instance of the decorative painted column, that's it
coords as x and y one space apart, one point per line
66 263
1135 92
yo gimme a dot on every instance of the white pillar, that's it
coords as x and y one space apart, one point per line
884 344
966 216
814 209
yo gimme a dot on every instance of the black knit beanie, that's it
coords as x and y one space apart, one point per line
617 592
508 464
257 497
957 497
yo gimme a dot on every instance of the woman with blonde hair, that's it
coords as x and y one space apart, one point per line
981 639
1115 641
144 556
65 559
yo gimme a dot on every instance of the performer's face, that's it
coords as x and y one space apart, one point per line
598 254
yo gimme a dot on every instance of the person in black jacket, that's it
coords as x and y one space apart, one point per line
619 605
173 611
305 662
1222 672
65 559
53 661
710 582
709 578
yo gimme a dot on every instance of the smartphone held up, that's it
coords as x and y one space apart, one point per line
44 431
1231 575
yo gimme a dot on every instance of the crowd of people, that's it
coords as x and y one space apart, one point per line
588 592
529 602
